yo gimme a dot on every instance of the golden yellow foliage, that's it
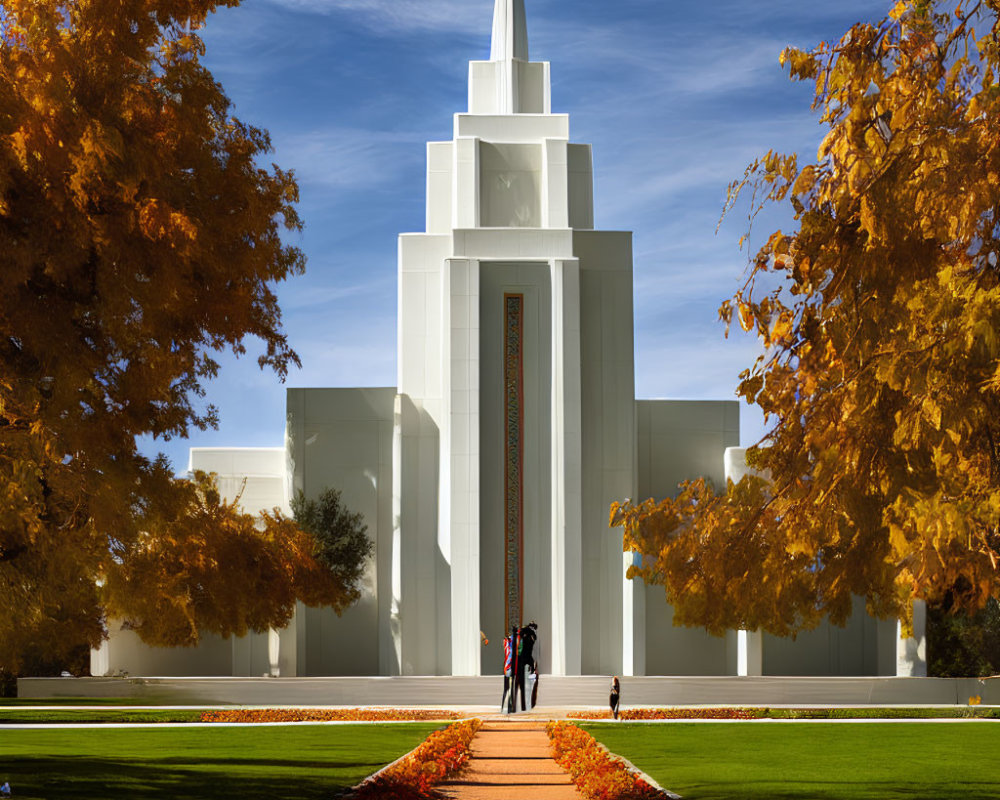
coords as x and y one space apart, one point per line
138 235
205 567
882 373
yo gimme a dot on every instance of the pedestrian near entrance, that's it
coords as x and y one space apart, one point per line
528 638
616 693
510 667
529 667
518 671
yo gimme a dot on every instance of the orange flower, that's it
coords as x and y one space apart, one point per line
597 774
254 715
674 713
441 754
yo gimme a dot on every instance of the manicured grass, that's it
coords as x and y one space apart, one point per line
277 763
759 712
953 712
78 701
818 761
16 716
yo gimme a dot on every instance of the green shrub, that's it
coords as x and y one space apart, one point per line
960 646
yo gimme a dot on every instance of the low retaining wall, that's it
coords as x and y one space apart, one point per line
554 691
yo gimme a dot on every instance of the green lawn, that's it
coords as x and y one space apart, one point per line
277 763
79 701
818 761
91 716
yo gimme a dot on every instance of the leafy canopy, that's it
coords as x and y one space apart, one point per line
139 235
209 568
880 318
340 540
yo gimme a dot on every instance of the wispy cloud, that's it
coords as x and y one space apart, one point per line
679 64
301 295
346 158
359 361
396 16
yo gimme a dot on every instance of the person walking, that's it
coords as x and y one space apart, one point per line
510 670
528 665
519 666
616 693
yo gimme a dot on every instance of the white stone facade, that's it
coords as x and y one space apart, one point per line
514 419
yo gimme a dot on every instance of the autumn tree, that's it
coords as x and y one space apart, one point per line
340 539
880 320
139 236
209 568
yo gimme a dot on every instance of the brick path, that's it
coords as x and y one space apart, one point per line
511 760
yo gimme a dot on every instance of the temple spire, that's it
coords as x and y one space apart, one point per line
510 31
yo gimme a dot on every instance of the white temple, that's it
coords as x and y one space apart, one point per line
487 473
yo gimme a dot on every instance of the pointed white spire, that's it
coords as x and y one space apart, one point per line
510 31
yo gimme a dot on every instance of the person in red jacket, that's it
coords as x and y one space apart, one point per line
510 665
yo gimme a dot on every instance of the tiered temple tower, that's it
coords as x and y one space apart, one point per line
516 380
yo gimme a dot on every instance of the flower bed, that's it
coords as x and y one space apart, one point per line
674 713
597 774
414 776
252 715
877 712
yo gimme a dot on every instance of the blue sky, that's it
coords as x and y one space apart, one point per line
676 98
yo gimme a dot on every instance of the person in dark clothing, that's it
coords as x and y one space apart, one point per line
528 666
616 691
518 668
528 638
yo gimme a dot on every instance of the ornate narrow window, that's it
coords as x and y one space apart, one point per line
513 387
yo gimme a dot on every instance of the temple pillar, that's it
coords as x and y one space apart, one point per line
100 660
911 652
274 652
465 199
459 523
633 619
750 653
567 487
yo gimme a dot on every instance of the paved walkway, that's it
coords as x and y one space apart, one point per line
555 690
511 760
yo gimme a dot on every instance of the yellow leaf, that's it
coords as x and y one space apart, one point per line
805 182
898 540
782 326
867 216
